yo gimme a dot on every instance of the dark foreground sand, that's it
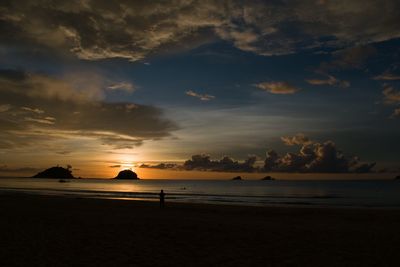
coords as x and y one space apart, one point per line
60 231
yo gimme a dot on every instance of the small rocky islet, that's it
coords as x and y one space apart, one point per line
127 175
55 173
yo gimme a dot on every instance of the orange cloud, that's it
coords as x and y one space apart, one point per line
282 88
330 80
391 96
387 76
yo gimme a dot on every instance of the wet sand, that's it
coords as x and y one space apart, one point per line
64 231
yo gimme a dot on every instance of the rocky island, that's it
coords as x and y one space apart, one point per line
55 173
127 175
268 178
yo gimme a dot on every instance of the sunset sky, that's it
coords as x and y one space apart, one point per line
108 85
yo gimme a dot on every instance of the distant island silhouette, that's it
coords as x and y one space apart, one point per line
237 178
268 178
127 175
55 173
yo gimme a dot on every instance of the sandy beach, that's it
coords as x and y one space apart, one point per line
64 231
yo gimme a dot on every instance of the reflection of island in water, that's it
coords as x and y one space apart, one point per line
127 175
56 173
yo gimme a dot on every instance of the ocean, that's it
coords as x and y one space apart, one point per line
379 194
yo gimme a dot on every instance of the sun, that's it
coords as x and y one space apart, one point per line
127 165
125 161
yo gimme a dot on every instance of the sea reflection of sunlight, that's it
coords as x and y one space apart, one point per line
126 187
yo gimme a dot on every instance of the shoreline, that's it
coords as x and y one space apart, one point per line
73 195
177 204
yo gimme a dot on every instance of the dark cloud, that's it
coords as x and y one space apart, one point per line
36 107
13 75
135 29
313 157
65 152
119 142
349 58
6 169
298 139
354 57
162 166
271 160
203 162
115 166
364 167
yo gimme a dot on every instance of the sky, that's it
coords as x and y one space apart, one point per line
307 87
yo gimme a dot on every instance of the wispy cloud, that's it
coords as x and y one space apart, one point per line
203 97
396 113
387 76
122 86
282 88
5 107
6 169
46 120
391 95
34 110
330 80
64 152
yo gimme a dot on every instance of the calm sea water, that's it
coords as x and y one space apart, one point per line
253 193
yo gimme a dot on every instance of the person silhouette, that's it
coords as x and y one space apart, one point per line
162 198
